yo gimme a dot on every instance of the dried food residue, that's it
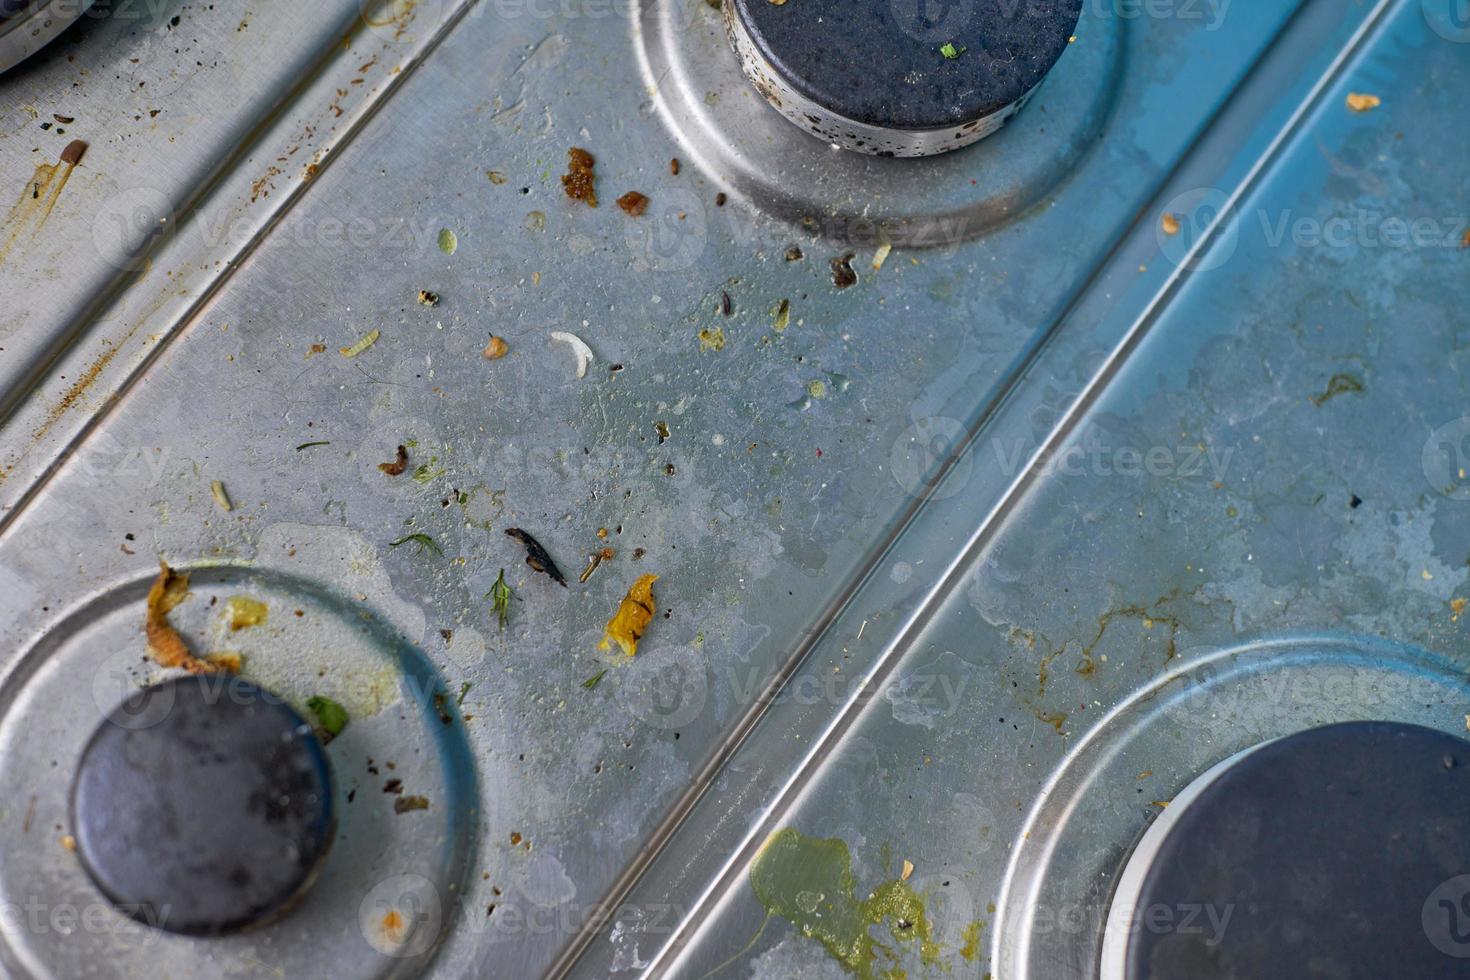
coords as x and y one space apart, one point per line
164 642
245 612
407 804
370 338
628 624
448 241
399 464
579 348
427 298
422 543
712 339
1363 102
580 181
1341 384
809 882
633 203
496 348
536 556
500 595
331 717
842 274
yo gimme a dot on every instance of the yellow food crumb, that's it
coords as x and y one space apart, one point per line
1362 102
627 626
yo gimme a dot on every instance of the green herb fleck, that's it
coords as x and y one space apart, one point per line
329 714
423 541
951 52
596 679
463 690
448 241
308 445
501 594
426 473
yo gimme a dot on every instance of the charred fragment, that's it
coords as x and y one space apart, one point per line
537 556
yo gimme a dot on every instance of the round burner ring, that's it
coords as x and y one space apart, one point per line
27 26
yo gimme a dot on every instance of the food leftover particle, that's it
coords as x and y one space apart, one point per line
579 180
597 558
596 679
330 715
842 274
674 166
950 51
245 612
579 348
496 348
74 152
908 870
881 256
781 315
794 254
727 305
217 491
399 464
536 556
628 624
633 203
427 298
407 804
423 543
1170 224
370 338
1362 102
496 177
712 339
448 241
720 199
1340 384
500 595
164 642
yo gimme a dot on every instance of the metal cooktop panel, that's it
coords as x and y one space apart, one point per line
1133 444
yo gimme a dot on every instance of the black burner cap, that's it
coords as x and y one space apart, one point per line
900 65
203 806
1341 852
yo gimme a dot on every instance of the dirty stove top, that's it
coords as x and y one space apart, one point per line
1139 441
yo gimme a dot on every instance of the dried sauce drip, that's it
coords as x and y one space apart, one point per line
579 179
536 556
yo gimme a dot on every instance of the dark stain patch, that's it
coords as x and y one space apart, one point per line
1341 384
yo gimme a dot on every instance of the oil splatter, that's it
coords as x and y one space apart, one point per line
808 881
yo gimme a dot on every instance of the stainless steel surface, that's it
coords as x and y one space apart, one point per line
883 616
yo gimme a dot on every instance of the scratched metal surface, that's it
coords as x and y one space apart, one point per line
980 655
